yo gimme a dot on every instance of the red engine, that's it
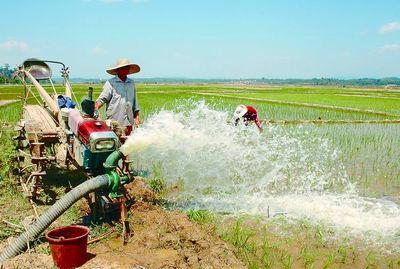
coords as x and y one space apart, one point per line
92 142
90 126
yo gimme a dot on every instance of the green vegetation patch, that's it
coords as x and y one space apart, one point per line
282 244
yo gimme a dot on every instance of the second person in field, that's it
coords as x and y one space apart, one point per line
247 114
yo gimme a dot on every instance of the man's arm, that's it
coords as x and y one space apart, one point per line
258 123
104 97
136 109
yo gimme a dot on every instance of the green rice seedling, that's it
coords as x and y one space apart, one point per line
320 235
243 239
286 260
267 256
343 254
371 260
240 236
307 257
10 114
372 103
330 260
393 262
374 173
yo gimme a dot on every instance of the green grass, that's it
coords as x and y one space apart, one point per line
199 216
157 184
10 114
281 244
155 97
370 153
376 174
370 102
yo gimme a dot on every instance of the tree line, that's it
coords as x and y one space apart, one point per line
6 74
390 81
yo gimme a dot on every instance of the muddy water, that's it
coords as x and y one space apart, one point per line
237 170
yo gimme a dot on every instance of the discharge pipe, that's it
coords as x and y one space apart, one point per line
36 229
111 180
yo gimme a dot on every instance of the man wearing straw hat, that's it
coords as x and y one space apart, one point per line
119 95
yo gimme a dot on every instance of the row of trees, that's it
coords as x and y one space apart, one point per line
334 82
6 73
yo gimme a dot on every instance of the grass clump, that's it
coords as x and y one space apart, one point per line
98 229
157 184
43 248
199 216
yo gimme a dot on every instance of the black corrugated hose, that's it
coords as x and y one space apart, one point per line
44 221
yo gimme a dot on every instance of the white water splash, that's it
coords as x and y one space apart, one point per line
238 170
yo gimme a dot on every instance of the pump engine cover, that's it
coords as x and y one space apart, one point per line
97 136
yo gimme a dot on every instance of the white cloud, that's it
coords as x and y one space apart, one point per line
12 44
99 51
390 27
391 48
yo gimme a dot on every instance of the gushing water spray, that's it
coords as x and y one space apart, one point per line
200 148
238 170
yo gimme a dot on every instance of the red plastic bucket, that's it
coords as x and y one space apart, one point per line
68 245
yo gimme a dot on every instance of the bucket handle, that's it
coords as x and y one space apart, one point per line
57 239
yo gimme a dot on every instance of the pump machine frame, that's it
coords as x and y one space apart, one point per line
65 134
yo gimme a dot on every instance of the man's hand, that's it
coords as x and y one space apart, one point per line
96 114
98 105
137 122
137 118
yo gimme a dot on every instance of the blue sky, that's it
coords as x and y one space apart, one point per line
208 39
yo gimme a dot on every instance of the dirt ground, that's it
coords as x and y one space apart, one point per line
161 239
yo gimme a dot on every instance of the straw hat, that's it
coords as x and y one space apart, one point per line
240 111
133 68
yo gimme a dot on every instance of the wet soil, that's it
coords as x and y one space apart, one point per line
160 239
